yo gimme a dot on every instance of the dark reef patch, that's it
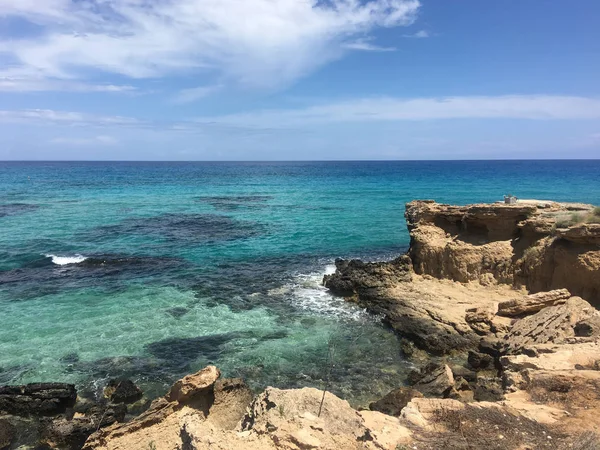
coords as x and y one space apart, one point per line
235 202
42 277
178 352
196 228
14 209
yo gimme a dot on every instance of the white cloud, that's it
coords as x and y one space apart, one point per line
253 42
95 140
364 44
394 109
193 94
419 34
18 85
50 117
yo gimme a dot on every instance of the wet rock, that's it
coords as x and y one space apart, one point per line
122 391
357 277
532 303
393 402
40 399
434 380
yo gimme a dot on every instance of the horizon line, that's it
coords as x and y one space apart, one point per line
283 160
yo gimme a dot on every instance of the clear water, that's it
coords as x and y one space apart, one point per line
153 270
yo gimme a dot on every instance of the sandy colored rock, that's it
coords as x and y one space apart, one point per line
191 385
532 303
512 244
554 324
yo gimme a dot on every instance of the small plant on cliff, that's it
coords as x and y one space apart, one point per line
330 365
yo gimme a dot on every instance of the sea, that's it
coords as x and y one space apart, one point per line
153 270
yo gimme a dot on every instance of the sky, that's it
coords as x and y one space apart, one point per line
299 79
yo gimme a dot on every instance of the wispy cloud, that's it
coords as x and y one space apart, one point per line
365 44
50 117
95 140
394 109
260 43
197 93
419 34
20 85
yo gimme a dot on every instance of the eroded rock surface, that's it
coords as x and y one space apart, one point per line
521 245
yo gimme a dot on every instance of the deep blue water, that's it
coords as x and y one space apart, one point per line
153 270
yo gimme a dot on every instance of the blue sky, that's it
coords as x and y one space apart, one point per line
299 79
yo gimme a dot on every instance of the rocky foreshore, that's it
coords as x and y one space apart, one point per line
495 306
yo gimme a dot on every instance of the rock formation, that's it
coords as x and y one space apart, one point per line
521 244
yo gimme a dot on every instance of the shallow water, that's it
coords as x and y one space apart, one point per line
153 270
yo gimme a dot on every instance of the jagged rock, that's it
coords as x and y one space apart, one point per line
393 402
554 324
40 399
232 398
357 277
434 380
72 434
480 319
122 391
532 303
488 390
480 361
7 434
195 384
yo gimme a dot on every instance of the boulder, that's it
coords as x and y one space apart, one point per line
532 303
434 380
38 399
393 402
192 385
122 391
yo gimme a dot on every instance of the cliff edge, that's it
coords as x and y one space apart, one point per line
533 244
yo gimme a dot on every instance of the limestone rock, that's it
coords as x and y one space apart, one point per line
393 402
434 380
232 398
554 324
513 244
195 384
532 303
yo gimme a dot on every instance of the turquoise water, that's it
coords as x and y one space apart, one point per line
153 270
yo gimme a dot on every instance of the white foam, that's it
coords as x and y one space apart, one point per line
308 293
65 260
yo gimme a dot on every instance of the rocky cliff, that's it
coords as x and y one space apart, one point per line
537 245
